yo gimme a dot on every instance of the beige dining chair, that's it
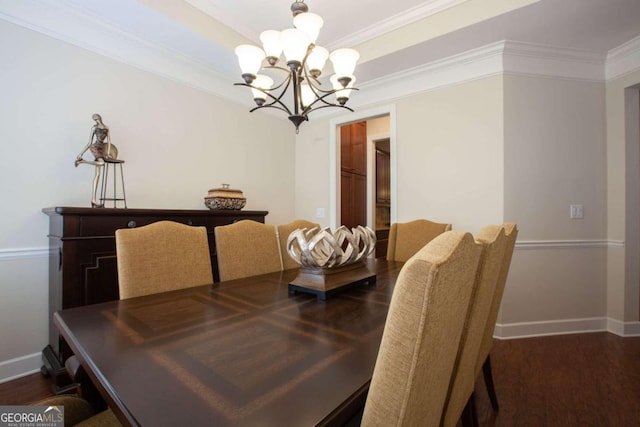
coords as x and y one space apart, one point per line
283 234
405 239
160 257
422 332
460 396
483 361
78 412
247 248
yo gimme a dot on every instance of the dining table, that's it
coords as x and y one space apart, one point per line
244 352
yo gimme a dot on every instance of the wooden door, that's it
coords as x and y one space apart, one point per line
353 199
353 174
383 177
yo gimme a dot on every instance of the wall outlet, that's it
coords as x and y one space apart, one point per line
576 212
319 212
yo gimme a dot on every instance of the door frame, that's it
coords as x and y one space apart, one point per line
334 160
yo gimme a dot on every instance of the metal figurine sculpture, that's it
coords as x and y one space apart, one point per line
103 152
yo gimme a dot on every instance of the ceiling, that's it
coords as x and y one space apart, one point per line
391 36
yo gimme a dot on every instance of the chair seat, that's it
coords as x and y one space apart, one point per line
103 419
79 412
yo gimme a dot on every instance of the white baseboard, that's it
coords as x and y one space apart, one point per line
549 327
505 331
624 329
20 366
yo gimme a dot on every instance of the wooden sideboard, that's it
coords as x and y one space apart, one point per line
82 257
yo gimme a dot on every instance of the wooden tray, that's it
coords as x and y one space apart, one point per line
326 282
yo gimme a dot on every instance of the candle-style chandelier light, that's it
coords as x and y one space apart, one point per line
304 60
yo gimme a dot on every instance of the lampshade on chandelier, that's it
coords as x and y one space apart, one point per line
305 61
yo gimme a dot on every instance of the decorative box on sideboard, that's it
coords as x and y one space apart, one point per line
82 258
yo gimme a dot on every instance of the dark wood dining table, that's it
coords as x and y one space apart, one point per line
244 352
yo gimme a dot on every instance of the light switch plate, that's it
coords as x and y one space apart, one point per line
576 212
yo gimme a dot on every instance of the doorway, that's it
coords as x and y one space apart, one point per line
363 172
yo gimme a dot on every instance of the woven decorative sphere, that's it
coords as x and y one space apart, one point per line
323 249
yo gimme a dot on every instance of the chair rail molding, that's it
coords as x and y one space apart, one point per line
564 244
23 253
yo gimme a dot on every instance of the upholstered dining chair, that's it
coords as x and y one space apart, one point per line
422 332
247 248
283 234
460 399
161 257
79 412
405 239
483 361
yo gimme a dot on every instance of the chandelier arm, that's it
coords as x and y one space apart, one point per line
314 88
276 67
311 110
271 105
276 100
286 80
310 107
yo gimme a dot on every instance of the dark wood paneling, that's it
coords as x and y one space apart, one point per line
382 242
353 174
383 177
353 199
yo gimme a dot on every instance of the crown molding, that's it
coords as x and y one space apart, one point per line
624 59
553 61
64 20
73 25
504 57
395 22
474 64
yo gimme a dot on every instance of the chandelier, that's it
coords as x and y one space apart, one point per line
304 63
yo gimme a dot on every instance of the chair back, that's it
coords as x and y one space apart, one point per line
283 234
406 239
511 232
247 248
494 243
160 257
422 332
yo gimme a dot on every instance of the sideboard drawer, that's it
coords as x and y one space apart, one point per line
107 226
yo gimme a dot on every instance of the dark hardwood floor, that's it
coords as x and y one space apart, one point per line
588 379
566 380
25 390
